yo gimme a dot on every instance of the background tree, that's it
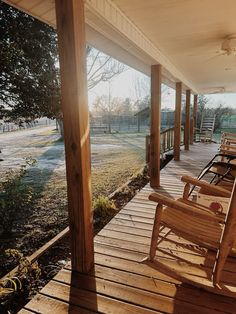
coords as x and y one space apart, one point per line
142 92
101 67
29 67
202 102
108 106
29 81
219 111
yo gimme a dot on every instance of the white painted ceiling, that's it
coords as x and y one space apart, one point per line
190 33
187 34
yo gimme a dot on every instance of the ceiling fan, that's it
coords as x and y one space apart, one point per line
228 48
229 45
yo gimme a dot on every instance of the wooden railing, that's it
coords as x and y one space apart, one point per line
167 142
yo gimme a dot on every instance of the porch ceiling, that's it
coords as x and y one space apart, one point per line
185 36
190 34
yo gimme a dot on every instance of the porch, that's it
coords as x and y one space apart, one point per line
170 53
120 283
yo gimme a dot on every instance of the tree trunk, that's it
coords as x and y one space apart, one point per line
109 124
61 127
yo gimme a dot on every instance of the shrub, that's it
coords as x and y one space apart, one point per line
26 278
15 195
103 207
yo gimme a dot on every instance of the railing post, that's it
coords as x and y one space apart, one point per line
155 138
164 142
187 120
195 115
191 131
177 133
168 139
147 149
72 57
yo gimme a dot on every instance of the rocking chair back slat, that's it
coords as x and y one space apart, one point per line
228 237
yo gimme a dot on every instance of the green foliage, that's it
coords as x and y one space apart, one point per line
218 111
103 207
15 195
29 79
202 102
29 67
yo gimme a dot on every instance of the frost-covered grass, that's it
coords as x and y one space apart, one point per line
115 158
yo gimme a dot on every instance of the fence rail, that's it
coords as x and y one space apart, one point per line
11 126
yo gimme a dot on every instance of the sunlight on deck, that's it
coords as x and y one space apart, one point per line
120 283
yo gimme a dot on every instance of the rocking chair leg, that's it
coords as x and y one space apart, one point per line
155 232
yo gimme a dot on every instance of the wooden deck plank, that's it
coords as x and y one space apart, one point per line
47 305
120 283
90 296
156 301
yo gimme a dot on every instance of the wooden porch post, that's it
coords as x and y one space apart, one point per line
187 120
72 53
195 115
155 132
177 134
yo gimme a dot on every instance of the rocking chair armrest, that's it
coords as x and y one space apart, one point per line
230 140
225 134
192 210
228 146
228 152
209 188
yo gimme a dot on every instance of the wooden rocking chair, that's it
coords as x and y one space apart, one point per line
211 232
222 166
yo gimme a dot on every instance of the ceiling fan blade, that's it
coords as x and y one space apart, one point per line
216 56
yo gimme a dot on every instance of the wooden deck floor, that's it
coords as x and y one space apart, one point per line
120 283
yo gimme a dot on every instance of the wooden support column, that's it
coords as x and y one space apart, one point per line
195 116
187 120
177 131
155 132
72 53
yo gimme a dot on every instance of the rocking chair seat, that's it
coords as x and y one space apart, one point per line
196 229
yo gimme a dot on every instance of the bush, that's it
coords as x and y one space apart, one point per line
25 280
15 195
103 207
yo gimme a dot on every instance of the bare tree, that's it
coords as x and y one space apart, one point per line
108 106
101 67
142 92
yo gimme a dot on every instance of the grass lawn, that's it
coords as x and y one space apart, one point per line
115 158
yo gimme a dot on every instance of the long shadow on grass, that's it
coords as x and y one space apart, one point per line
40 175
37 178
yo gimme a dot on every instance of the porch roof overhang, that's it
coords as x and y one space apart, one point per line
185 37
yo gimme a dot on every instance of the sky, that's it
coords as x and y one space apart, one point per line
123 86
